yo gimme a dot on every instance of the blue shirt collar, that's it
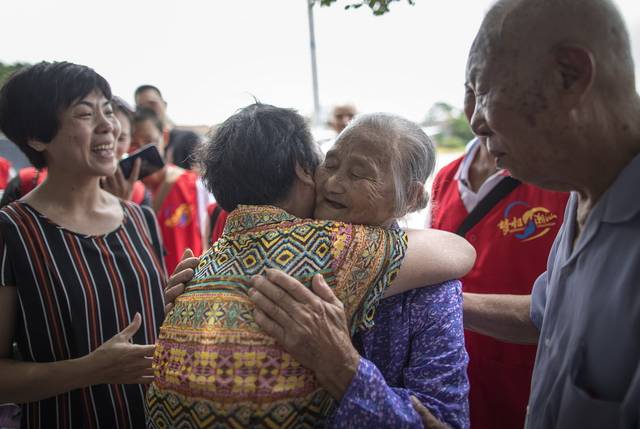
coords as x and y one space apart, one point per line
622 198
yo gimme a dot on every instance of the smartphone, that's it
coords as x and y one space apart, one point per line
151 161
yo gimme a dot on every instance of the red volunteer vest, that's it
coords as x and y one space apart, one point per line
30 177
178 220
137 195
5 168
512 243
216 227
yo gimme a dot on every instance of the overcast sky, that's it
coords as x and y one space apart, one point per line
210 57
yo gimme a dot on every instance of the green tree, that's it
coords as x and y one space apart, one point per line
7 69
453 131
378 7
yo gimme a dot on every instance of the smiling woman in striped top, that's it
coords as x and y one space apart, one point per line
81 271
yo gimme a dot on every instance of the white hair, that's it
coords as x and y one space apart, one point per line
413 156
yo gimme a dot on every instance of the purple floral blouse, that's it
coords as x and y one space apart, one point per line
415 348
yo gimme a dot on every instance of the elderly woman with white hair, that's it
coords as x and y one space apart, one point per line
416 346
374 174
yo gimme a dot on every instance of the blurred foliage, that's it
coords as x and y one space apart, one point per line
378 7
453 131
7 69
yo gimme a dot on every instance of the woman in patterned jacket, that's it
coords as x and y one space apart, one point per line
213 365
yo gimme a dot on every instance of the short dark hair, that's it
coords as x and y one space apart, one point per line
251 157
33 98
145 114
143 88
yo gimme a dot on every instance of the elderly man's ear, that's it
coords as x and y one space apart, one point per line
575 72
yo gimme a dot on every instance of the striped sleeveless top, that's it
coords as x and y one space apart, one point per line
74 293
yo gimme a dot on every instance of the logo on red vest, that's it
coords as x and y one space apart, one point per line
181 217
526 223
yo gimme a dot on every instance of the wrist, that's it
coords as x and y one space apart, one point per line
468 309
90 369
337 378
73 374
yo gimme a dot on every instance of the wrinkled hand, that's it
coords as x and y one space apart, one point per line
120 186
428 419
118 361
311 327
181 275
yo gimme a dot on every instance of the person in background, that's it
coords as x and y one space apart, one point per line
22 183
6 174
512 226
11 153
81 273
341 115
180 145
177 200
217 219
127 188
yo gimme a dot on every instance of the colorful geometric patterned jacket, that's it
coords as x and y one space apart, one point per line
214 367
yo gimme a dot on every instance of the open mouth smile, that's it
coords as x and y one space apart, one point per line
106 149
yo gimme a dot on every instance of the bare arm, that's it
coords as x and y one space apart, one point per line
115 362
432 257
505 317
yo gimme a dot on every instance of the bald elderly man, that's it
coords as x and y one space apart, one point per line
556 101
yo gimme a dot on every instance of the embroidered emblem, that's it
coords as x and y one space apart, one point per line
181 216
526 223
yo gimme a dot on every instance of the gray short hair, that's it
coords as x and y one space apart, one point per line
413 155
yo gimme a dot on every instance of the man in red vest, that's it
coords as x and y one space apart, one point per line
180 144
512 226
178 200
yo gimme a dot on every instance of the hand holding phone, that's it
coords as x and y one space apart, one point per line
118 185
150 158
